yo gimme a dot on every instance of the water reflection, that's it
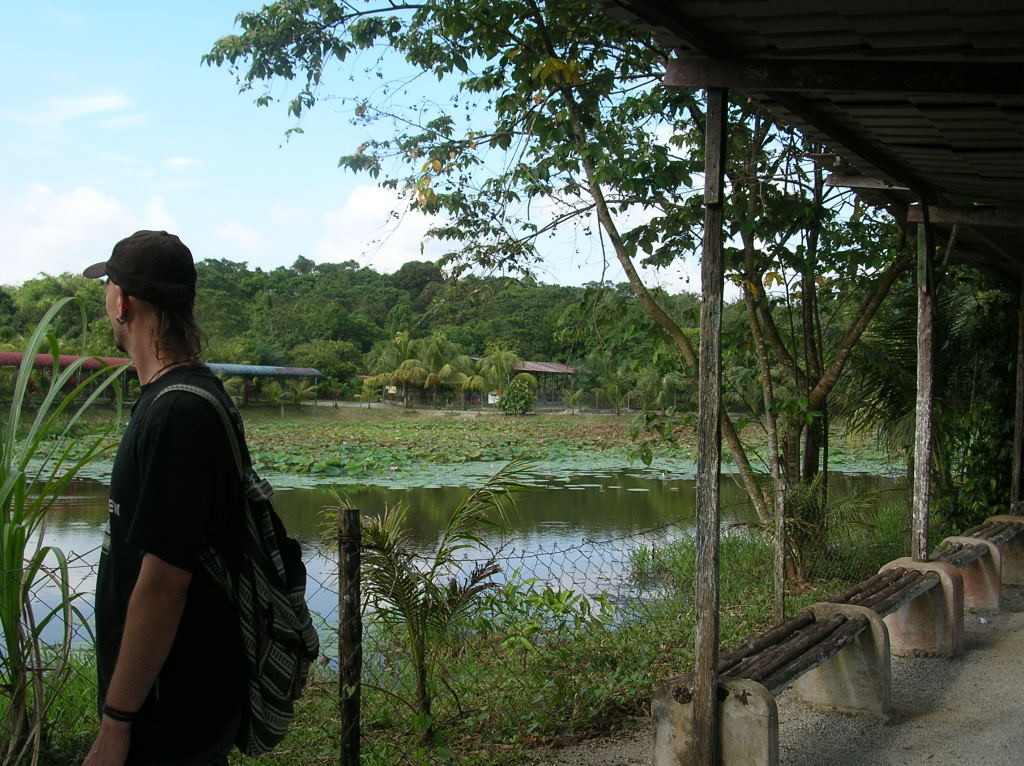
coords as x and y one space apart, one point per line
573 531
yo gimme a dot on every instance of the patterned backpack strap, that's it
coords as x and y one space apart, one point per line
212 561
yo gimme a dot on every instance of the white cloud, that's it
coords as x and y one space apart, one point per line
375 228
64 18
123 121
46 231
248 242
63 109
282 214
118 159
180 163
157 217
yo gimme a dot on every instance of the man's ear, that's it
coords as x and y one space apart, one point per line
122 302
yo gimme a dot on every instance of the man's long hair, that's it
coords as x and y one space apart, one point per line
177 332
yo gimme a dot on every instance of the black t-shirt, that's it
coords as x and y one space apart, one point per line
174 486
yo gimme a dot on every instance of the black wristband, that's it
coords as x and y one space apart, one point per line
118 715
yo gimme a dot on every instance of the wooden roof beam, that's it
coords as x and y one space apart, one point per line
969 216
862 182
803 76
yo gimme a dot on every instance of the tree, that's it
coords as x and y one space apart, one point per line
426 363
337 359
7 307
427 597
419 280
568 103
517 398
975 353
35 297
498 365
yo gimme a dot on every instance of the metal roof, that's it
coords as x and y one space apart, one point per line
262 370
916 99
13 359
555 368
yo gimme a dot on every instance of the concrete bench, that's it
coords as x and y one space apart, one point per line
833 655
987 556
837 653
930 621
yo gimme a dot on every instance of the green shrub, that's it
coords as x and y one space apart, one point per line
517 398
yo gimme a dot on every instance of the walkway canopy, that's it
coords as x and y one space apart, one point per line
921 106
917 100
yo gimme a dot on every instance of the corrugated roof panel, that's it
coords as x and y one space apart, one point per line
262 370
13 359
554 368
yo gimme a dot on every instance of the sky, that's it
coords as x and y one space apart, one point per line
111 123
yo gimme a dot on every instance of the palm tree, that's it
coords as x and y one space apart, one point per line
427 363
498 365
475 382
300 391
456 374
614 381
273 394
426 597
370 392
411 372
971 464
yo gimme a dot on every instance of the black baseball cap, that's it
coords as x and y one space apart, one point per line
152 265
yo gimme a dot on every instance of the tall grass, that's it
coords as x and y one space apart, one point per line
39 456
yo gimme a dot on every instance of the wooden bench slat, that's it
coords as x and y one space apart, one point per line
1002 533
767 662
881 579
911 590
906 579
816 655
998 532
960 554
767 638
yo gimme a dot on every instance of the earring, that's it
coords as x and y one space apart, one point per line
119 320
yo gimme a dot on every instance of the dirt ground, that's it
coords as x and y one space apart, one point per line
947 712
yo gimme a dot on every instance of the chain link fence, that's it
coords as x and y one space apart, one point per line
555 643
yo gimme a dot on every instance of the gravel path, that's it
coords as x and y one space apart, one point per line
965 711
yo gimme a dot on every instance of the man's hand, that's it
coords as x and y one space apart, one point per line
110 748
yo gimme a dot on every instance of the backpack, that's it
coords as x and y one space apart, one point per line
278 637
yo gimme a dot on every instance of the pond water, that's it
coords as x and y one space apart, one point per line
571 530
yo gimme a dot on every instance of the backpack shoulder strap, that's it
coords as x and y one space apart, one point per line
255 487
218 406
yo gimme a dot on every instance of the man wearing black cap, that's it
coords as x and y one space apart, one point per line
169 656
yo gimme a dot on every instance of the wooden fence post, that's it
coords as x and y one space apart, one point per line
350 633
1018 418
709 435
925 380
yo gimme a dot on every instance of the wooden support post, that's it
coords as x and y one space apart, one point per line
709 437
350 634
1018 418
925 373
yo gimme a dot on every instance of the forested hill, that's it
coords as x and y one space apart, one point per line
332 315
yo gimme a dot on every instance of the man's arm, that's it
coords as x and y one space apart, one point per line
154 611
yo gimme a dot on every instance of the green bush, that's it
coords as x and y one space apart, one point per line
517 398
